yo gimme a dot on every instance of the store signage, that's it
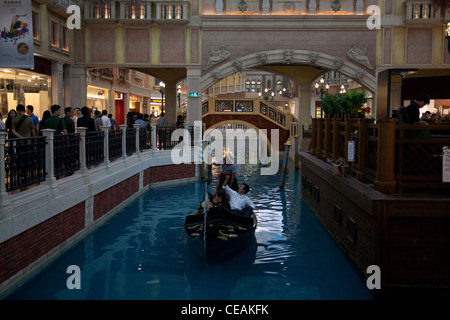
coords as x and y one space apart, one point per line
16 40
446 164
118 96
133 98
193 94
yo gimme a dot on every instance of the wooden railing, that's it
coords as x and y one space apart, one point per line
395 158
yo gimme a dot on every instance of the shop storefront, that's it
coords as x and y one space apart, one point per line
119 107
155 106
97 98
25 87
135 103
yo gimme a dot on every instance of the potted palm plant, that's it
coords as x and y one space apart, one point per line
354 103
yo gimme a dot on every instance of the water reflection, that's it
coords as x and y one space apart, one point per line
142 252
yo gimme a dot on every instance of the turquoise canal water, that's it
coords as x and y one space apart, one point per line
141 253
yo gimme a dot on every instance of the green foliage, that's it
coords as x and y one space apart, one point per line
331 104
346 105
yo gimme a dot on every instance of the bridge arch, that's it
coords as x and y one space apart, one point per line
290 57
233 122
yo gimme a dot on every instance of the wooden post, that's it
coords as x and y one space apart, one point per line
327 138
385 179
362 150
335 148
319 146
313 136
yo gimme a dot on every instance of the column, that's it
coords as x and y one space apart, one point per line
67 85
153 125
396 95
385 180
57 83
303 111
83 167
78 86
170 106
49 161
136 131
123 127
194 104
105 130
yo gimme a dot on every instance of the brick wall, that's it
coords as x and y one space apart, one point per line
172 172
18 252
107 200
30 245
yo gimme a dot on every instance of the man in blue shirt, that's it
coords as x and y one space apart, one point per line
33 117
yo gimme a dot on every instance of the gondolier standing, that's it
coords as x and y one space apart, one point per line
228 169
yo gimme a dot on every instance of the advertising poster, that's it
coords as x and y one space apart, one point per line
16 38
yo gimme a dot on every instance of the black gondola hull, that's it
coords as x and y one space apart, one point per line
227 234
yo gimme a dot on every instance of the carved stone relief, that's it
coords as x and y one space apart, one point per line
359 56
217 56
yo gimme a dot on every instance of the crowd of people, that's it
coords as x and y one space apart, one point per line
23 123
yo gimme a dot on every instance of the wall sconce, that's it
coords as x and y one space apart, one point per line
447 34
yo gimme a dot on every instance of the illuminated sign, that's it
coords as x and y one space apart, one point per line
193 94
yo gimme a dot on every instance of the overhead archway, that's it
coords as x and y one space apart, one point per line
257 134
313 62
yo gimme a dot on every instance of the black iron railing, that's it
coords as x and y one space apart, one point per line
24 162
66 155
115 144
94 148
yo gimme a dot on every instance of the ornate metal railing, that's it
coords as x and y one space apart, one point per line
24 162
94 148
131 141
66 155
115 144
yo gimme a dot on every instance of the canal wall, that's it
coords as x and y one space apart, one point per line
407 236
38 224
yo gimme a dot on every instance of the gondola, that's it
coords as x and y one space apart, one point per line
227 233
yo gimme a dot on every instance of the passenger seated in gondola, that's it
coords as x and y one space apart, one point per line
240 203
228 170
219 200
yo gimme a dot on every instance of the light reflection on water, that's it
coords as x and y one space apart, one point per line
141 253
